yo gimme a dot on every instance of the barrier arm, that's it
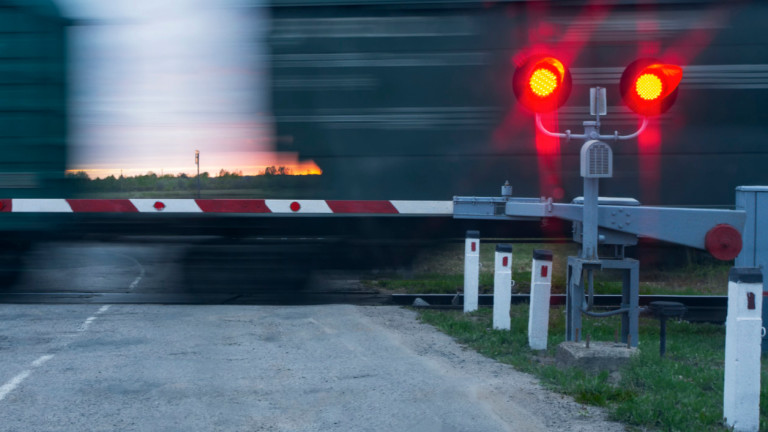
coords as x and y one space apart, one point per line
685 226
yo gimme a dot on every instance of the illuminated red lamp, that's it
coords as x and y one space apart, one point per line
649 87
542 84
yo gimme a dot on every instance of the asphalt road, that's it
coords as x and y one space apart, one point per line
97 366
255 368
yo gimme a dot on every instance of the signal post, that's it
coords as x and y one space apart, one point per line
649 87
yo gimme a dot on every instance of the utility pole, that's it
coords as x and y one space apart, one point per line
197 162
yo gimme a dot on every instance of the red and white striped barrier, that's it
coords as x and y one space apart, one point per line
249 206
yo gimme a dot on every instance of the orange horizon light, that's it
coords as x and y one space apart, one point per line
301 168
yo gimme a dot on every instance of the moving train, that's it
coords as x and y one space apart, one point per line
412 99
33 120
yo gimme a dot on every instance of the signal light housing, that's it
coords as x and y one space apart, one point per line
649 87
542 84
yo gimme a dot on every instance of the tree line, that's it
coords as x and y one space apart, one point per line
274 175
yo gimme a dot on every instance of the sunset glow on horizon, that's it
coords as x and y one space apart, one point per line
160 80
242 166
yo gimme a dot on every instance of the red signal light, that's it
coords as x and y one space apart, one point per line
649 87
542 84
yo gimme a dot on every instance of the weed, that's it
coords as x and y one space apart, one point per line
680 392
440 271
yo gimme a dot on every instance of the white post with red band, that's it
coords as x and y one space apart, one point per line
541 287
743 328
471 270
502 287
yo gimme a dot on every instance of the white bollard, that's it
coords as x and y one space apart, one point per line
743 327
471 270
502 287
541 287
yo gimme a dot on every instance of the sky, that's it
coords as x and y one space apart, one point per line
153 81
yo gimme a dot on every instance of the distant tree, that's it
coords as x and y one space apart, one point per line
274 171
79 175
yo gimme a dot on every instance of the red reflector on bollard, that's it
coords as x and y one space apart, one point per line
159 206
505 261
474 247
295 206
544 270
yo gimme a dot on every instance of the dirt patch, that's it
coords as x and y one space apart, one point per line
516 398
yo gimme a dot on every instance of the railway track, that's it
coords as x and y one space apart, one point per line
699 308
711 309
272 297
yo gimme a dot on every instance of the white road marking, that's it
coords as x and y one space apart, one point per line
13 383
142 272
83 327
8 387
39 362
136 281
326 329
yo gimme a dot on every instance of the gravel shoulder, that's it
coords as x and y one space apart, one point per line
515 398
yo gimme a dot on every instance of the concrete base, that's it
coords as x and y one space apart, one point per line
600 356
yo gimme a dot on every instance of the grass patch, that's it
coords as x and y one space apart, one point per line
440 271
681 392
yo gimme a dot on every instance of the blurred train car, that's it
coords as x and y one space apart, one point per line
33 99
412 99
33 120
398 99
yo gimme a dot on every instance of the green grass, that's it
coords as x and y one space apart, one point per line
440 270
681 392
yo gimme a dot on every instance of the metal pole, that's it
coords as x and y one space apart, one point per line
589 240
197 162
754 201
